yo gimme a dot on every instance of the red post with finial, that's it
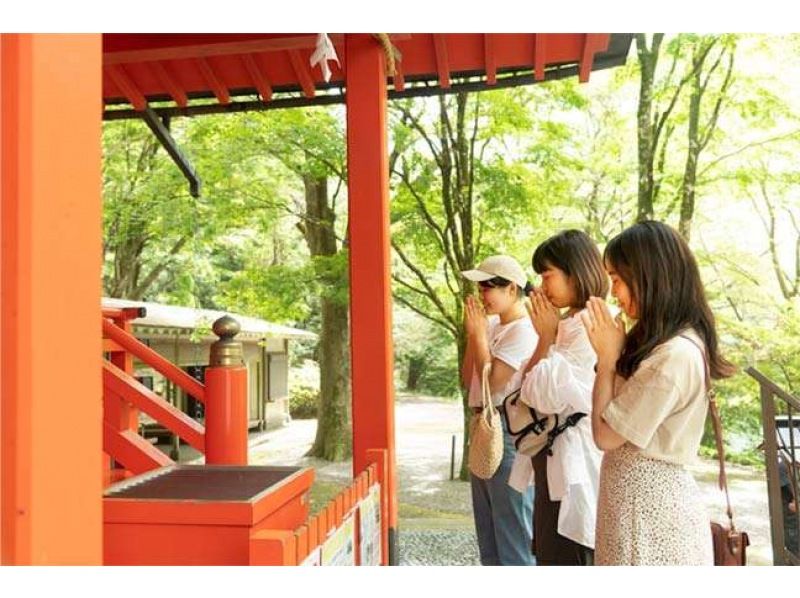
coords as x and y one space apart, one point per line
226 398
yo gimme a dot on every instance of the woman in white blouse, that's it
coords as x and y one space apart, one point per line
649 400
559 380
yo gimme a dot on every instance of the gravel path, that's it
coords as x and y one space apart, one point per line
435 513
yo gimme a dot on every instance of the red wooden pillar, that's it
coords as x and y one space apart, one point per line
226 398
50 267
370 281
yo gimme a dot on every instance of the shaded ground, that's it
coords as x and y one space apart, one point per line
435 513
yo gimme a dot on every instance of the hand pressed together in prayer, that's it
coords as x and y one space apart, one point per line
544 315
606 334
475 322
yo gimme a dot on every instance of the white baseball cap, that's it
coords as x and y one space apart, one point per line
503 266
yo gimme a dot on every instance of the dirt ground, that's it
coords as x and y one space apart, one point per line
430 501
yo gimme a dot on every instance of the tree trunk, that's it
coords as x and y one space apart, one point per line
688 192
648 59
416 367
333 440
699 136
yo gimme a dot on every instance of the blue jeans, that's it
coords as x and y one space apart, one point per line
503 516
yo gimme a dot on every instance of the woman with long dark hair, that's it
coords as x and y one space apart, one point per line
650 402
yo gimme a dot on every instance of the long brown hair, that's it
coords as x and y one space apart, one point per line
575 254
661 272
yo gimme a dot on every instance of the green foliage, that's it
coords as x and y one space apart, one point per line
303 402
424 356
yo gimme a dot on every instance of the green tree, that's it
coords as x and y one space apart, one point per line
308 146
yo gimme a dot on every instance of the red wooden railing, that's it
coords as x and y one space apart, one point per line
129 343
287 547
123 396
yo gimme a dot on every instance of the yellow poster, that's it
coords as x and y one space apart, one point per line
339 549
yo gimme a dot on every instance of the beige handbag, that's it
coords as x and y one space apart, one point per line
485 434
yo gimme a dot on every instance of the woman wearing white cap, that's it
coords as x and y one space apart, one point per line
499 333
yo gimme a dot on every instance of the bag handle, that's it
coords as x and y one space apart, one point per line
717 425
489 410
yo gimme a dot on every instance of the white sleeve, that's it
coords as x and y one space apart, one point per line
516 347
556 383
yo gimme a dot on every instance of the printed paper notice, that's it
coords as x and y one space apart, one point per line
339 549
370 527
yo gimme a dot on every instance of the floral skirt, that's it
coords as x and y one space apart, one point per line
649 512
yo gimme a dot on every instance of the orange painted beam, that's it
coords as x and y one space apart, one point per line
119 385
127 86
259 78
132 451
371 350
50 265
169 82
442 63
489 58
592 44
539 56
303 74
213 82
292 42
145 354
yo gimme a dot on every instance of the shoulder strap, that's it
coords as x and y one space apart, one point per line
486 392
717 424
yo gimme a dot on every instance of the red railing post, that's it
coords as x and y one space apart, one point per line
226 398
119 414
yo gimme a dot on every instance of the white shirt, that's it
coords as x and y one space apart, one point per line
562 383
513 343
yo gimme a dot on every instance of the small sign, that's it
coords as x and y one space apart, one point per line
339 549
370 527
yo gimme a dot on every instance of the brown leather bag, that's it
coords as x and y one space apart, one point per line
730 545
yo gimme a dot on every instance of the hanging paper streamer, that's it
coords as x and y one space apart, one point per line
324 52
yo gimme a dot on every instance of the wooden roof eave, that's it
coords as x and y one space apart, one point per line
405 85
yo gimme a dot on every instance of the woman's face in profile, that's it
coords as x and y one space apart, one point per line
622 293
557 287
496 300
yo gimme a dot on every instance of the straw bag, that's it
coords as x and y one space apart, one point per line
485 434
729 544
